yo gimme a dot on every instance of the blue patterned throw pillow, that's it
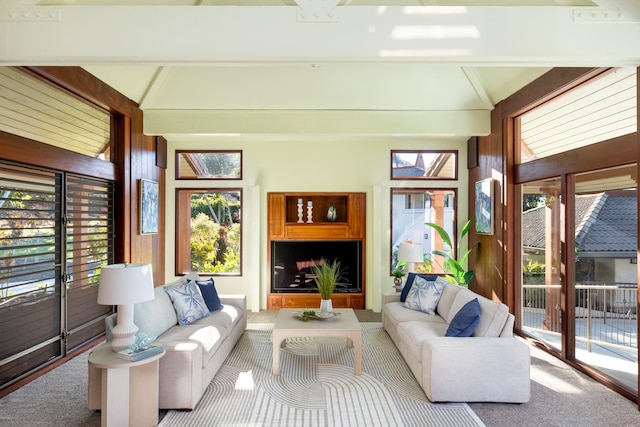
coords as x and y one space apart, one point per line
424 295
409 283
188 302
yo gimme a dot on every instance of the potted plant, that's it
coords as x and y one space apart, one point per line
398 273
327 273
454 268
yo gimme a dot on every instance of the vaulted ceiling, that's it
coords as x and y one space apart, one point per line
313 69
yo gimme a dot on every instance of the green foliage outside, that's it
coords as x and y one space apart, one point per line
215 234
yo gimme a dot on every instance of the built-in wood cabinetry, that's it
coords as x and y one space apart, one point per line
283 224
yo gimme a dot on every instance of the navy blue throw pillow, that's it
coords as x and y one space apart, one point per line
409 283
466 320
210 294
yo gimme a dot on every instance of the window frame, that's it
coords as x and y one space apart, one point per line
183 228
178 175
394 191
423 178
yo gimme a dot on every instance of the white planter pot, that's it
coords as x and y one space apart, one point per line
326 306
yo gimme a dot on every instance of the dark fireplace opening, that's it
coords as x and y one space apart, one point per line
292 261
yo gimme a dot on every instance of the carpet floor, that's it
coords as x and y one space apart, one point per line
317 387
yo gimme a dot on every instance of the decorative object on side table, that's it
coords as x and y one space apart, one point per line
124 285
332 215
398 273
139 354
328 274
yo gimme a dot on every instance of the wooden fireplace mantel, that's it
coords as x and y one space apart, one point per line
350 224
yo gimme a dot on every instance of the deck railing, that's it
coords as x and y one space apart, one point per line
604 314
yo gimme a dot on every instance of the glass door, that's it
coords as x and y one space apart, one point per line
542 223
606 273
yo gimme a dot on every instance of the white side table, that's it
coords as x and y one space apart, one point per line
129 395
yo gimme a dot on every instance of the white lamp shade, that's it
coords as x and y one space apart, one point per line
125 284
410 252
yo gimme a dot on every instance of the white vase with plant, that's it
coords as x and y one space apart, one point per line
327 275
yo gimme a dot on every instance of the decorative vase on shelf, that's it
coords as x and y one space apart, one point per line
332 215
397 281
326 306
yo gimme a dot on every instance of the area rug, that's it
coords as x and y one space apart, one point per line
317 387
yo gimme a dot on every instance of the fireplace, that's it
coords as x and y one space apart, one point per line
292 261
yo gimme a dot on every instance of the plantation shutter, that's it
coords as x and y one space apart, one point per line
89 245
56 232
30 268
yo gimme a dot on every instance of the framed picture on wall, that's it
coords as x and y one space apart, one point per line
148 212
484 206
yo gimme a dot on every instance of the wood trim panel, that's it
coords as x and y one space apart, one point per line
80 82
621 150
18 149
546 87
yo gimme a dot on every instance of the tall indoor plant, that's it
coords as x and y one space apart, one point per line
327 273
454 268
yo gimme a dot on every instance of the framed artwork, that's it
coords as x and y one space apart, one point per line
148 207
484 206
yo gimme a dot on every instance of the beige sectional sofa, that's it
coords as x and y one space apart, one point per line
194 352
491 365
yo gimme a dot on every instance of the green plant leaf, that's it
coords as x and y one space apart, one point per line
442 232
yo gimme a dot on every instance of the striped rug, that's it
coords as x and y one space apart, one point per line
317 387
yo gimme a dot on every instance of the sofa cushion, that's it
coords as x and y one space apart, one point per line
407 285
413 334
493 314
466 320
424 295
446 301
396 312
188 303
210 294
156 316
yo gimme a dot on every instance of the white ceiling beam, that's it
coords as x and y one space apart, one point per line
476 84
310 122
504 36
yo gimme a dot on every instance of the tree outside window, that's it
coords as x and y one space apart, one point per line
208 231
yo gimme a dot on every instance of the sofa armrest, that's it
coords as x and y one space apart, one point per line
239 301
476 369
388 297
180 381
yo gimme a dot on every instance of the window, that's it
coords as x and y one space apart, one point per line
56 232
410 210
424 164
208 225
208 165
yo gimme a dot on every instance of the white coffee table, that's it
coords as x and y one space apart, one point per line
343 325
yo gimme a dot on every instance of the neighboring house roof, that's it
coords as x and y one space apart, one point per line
606 225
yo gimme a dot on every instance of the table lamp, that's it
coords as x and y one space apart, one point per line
124 285
410 253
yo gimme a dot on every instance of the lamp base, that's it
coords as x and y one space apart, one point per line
124 336
124 333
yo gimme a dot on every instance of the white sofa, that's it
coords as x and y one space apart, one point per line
489 366
194 352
